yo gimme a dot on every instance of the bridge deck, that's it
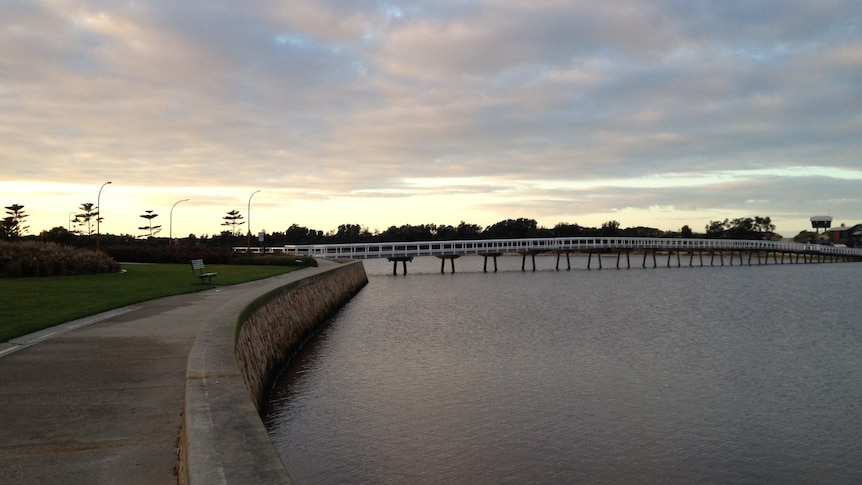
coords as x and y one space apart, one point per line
560 244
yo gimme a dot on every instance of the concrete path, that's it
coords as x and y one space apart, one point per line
99 400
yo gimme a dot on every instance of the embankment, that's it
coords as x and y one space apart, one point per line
231 366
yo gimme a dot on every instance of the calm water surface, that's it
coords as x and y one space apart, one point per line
667 375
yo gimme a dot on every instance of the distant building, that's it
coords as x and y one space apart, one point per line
850 236
821 222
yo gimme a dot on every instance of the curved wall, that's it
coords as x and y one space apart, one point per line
230 368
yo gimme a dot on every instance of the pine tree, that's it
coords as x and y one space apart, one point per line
12 227
152 230
232 220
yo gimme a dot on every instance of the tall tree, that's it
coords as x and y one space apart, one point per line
511 228
88 215
12 227
610 228
149 216
468 231
348 233
232 220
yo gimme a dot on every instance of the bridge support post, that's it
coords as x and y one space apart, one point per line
485 256
451 258
524 260
568 261
403 260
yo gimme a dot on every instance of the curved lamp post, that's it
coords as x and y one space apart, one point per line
171 226
99 213
248 212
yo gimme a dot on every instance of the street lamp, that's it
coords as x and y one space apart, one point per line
70 220
171 226
248 239
99 213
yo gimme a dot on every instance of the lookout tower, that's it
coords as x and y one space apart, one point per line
821 222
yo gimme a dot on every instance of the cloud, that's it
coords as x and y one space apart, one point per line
330 101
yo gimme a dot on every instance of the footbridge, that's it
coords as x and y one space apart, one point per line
718 251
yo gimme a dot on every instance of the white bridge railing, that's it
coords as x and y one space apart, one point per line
566 244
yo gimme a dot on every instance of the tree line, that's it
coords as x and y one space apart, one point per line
13 227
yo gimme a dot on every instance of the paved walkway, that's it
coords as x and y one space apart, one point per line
100 401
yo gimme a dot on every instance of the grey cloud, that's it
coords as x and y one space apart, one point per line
360 95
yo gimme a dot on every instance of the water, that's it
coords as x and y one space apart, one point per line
667 375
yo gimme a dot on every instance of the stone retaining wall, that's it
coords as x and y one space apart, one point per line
231 367
283 320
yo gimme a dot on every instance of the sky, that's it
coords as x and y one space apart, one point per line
663 114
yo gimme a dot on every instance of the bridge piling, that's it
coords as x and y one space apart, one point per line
590 259
451 258
568 261
524 259
403 260
485 256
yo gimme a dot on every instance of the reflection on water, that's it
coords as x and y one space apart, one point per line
680 375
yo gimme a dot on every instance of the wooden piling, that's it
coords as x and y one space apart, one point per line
489 255
524 260
403 260
451 258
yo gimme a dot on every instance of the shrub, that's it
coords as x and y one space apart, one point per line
179 254
275 259
30 258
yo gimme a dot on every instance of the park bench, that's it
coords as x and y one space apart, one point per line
199 271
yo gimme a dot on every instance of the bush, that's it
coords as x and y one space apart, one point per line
179 254
182 254
275 259
30 258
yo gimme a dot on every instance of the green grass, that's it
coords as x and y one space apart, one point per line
31 304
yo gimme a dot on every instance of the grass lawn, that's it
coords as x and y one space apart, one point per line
31 304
